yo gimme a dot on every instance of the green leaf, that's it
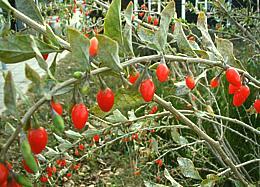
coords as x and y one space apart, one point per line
127 32
116 117
51 36
9 129
147 36
166 16
91 132
18 48
29 8
225 47
5 4
32 75
155 145
210 181
188 169
182 42
108 53
73 134
206 39
24 181
10 93
65 146
112 22
51 152
80 48
169 177
53 65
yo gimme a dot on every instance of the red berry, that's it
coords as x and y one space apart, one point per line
141 14
233 77
257 105
159 162
241 95
44 179
81 147
69 175
152 131
147 89
162 72
76 167
232 89
153 110
76 152
149 19
105 99
79 115
214 82
132 78
26 167
54 169
3 173
45 56
63 163
190 82
57 107
96 138
93 48
135 136
38 139
155 21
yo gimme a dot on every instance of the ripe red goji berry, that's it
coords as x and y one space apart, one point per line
149 19
147 89
38 139
132 78
232 88
162 72
57 107
96 138
105 99
3 173
190 82
241 95
155 21
93 48
81 147
159 162
154 109
76 153
44 179
214 82
233 77
69 175
257 105
135 136
45 56
79 115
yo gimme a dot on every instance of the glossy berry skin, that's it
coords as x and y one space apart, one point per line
214 82
45 56
3 174
153 110
147 89
257 105
162 72
57 107
105 99
44 179
190 82
149 19
38 139
232 89
159 162
141 14
233 77
96 138
132 78
26 167
241 95
79 115
81 147
93 48
155 21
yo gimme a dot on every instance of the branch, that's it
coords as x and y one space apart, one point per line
168 106
239 165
